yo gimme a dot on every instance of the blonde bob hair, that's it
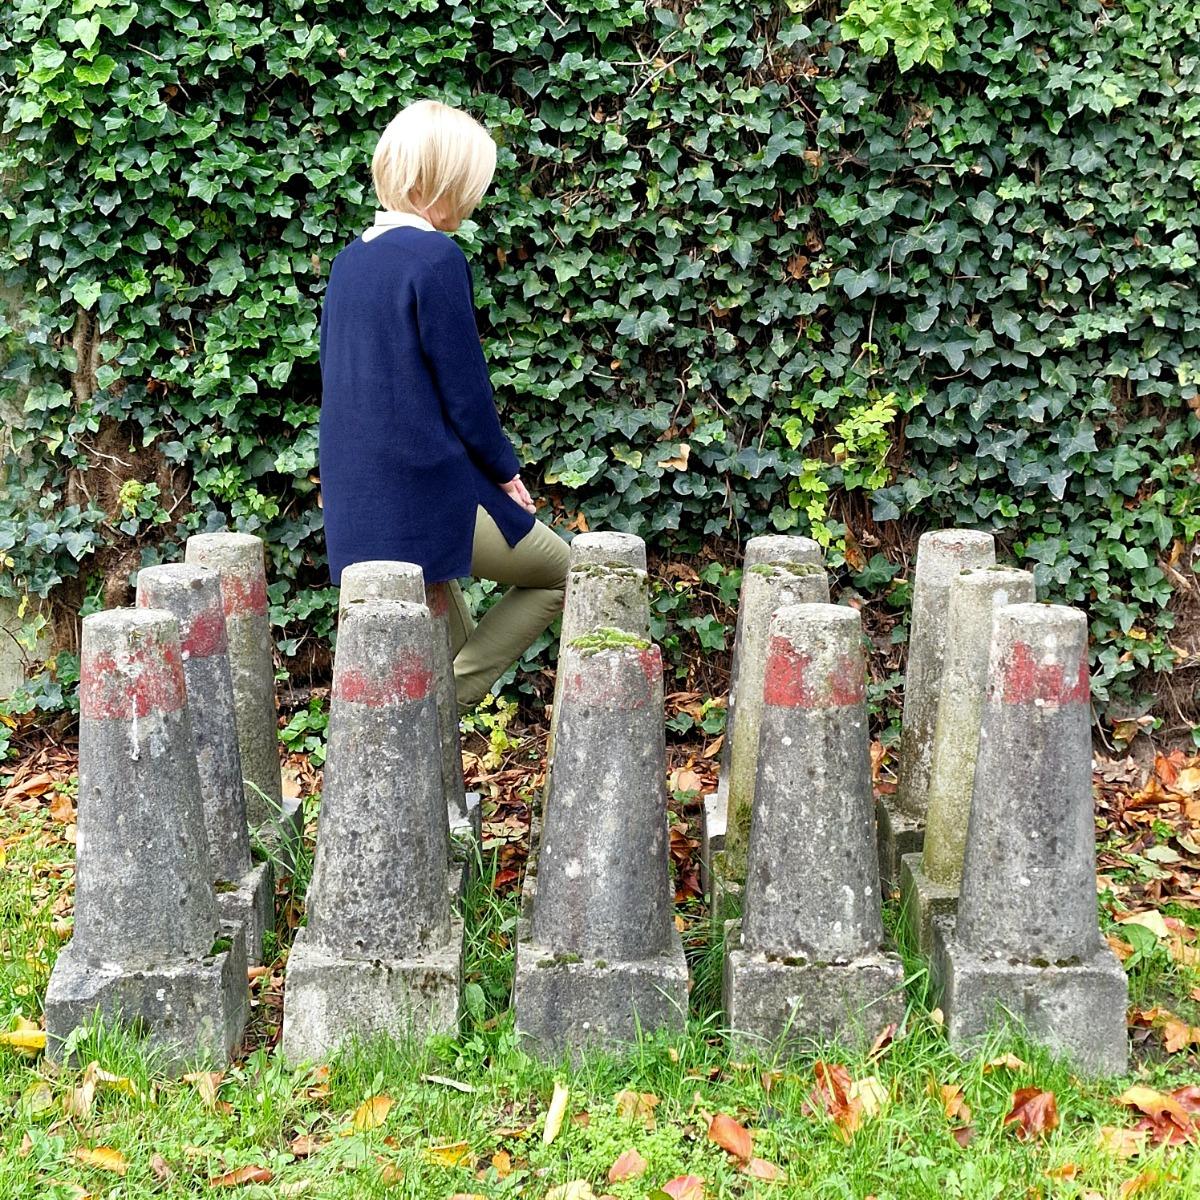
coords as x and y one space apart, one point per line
432 153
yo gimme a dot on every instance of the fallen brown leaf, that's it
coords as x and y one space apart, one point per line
370 1114
637 1106
733 1138
241 1177
1034 1113
759 1168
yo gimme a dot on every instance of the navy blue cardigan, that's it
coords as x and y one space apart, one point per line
410 441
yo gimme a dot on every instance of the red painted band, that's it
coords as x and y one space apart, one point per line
205 634
1024 680
790 682
613 688
409 679
244 597
149 679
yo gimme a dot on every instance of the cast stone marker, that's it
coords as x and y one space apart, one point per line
766 587
598 955
382 951
929 881
192 595
714 816
1026 943
387 580
239 559
807 959
149 947
940 557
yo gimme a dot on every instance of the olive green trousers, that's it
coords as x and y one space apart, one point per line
536 570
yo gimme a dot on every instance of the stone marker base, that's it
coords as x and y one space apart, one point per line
898 835
563 1005
714 818
192 1011
1077 1011
332 1001
250 903
922 901
771 1002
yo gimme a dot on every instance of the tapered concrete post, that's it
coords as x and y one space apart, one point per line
607 587
714 816
381 953
807 959
940 558
598 955
192 595
766 588
384 580
929 881
1026 942
149 947
239 559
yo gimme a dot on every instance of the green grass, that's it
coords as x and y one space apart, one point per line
906 1152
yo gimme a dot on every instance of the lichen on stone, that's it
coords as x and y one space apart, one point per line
606 638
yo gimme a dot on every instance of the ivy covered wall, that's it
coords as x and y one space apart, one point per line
738 272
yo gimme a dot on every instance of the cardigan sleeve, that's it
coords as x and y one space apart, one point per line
450 340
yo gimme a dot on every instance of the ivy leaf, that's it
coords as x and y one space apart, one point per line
98 71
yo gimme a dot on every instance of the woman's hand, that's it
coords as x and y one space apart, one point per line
517 491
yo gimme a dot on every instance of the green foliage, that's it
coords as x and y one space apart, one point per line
307 730
734 272
919 31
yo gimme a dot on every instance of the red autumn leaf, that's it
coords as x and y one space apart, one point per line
963 1135
629 1165
733 1138
684 1187
1034 1113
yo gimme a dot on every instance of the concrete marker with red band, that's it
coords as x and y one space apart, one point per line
131 681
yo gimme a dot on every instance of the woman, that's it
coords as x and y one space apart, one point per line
414 465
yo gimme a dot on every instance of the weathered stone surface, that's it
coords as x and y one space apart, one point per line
193 1011
380 579
384 580
1028 895
598 956
940 558
609 548
714 819
1076 1009
239 559
605 589
141 822
770 1002
192 595
808 956
349 999
766 587
379 903
933 887
605 596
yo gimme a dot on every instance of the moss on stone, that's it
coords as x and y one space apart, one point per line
606 638
790 568
221 946
222 886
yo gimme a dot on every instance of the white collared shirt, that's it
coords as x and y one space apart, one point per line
386 219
